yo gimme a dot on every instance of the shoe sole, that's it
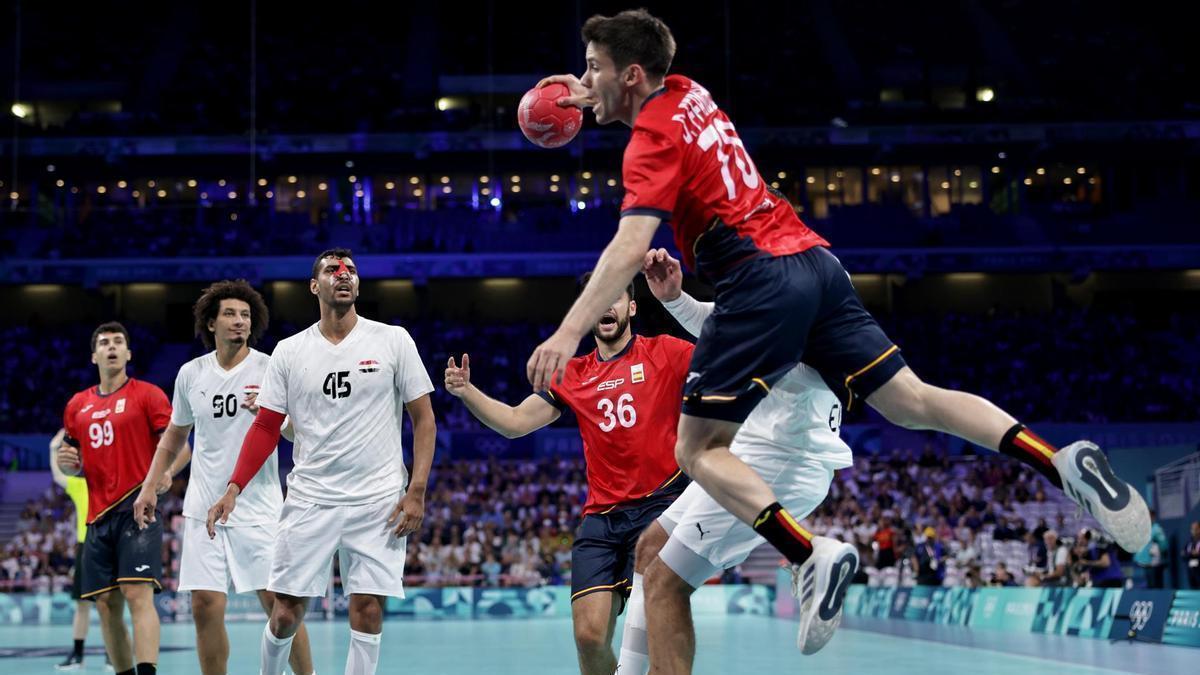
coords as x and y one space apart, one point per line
1115 504
817 627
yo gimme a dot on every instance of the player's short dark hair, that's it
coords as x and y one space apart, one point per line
633 36
209 305
338 253
109 327
587 276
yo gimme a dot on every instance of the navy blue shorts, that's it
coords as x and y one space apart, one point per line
603 553
774 312
116 552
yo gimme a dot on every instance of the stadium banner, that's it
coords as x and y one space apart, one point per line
1183 622
917 607
1086 612
950 606
1009 609
1141 615
900 600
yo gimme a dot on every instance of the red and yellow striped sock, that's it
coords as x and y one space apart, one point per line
782 531
1021 443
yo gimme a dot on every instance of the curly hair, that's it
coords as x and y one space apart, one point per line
209 304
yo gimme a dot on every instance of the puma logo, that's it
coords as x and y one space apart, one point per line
702 532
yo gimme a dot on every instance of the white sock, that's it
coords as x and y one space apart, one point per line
364 653
275 652
635 650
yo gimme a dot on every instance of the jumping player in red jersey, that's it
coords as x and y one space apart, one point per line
625 394
780 296
112 431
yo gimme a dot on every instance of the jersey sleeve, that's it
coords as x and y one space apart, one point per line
157 407
412 380
181 407
73 435
679 355
274 392
652 172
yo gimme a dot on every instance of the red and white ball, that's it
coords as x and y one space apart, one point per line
543 121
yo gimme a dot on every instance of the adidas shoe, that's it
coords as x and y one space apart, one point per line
1090 482
820 585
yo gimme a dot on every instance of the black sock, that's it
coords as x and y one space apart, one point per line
146 669
131 671
78 648
1022 444
778 527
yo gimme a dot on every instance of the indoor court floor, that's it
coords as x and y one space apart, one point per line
734 644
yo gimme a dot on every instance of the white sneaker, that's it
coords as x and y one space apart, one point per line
1090 482
820 584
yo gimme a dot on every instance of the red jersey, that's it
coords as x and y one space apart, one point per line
116 435
628 409
685 164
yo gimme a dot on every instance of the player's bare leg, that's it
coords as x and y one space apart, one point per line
366 629
111 608
635 647
594 617
140 597
1080 469
212 642
287 615
301 657
702 450
671 636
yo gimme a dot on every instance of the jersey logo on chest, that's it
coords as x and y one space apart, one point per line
368 366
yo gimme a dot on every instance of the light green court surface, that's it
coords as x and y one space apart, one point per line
739 644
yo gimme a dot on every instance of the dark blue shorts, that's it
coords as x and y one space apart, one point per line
116 552
774 312
603 553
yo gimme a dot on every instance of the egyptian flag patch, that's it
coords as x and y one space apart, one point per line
368 366
251 389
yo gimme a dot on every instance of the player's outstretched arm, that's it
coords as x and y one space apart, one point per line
620 261
509 421
409 513
664 276
158 477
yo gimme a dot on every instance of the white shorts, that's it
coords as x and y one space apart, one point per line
238 555
705 538
371 558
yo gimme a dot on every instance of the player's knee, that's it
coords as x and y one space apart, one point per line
649 544
660 582
590 637
284 619
108 605
367 614
205 608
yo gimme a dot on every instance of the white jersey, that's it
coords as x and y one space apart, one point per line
209 397
346 402
802 414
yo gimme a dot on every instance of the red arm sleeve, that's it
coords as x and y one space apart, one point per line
260 442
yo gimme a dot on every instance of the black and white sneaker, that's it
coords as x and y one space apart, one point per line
72 662
1090 482
820 585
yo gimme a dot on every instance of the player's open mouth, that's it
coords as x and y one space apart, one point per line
608 321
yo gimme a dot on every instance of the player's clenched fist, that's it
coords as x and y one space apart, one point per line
458 379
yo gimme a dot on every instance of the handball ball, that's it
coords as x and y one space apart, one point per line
543 121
